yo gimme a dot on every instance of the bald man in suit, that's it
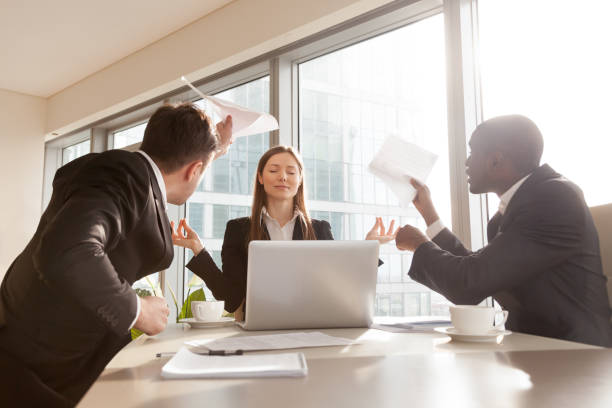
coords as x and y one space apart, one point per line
542 262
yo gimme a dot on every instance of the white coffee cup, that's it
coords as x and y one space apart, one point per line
470 319
207 311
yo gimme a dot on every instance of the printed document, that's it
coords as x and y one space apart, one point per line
397 162
272 342
186 364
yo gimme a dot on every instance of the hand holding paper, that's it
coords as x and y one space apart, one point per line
397 162
245 121
224 130
423 202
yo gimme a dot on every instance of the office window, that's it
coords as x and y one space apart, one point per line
551 61
225 191
350 100
75 151
128 137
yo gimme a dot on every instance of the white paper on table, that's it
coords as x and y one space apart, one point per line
186 364
272 342
244 121
411 327
397 162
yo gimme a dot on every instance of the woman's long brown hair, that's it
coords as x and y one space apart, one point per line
257 231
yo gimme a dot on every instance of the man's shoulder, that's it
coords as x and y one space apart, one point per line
111 164
112 171
132 161
557 187
553 197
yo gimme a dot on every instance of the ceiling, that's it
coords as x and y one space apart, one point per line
46 46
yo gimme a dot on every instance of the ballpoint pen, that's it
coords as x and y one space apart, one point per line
206 353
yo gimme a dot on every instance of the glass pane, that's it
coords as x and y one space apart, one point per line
225 191
555 70
75 151
129 136
350 101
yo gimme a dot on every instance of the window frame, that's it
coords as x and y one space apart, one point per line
53 159
464 109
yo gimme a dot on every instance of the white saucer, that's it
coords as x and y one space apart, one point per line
491 336
197 324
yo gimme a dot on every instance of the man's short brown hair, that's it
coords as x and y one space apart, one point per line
177 135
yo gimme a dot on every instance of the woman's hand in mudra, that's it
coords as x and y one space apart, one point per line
186 237
378 232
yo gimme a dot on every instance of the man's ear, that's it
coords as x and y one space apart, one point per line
193 170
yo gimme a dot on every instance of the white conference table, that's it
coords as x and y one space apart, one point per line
385 370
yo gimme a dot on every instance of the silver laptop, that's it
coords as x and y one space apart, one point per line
310 284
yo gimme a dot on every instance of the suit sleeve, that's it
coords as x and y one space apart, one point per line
543 233
230 284
72 254
449 242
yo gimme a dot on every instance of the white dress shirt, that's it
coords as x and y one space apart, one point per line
505 198
158 177
162 187
276 232
436 227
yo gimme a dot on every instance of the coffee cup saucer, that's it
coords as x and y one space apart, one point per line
493 335
201 324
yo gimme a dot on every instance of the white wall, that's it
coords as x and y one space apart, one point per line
242 30
22 128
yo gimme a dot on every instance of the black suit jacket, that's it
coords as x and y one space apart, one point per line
230 284
542 264
66 302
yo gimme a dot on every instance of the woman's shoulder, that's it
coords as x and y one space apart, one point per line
241 223
318 223
236 229
321 228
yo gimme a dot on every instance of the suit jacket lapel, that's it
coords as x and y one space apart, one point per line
265 230
298 235
544 172
162 218
493 226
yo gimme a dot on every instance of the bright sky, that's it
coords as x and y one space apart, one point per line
551 60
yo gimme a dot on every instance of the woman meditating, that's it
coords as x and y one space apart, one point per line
278 213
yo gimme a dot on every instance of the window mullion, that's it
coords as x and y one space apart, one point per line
464 114
98 140
282 101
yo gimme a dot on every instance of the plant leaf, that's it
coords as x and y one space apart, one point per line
173 295
155 289
195 281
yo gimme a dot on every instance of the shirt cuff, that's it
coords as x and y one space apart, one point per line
137 312
434 229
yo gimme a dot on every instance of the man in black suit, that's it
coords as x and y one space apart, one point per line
542 262
66 302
